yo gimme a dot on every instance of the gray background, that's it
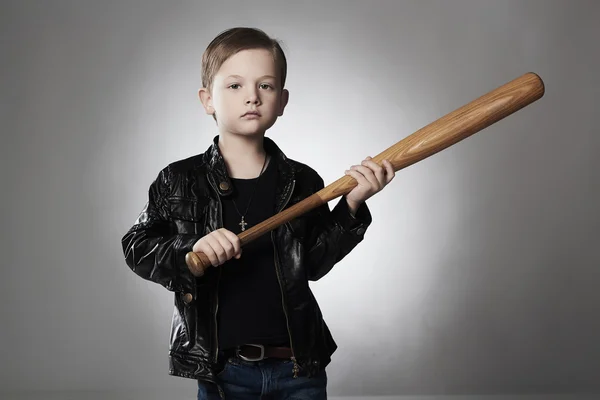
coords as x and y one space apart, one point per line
479 274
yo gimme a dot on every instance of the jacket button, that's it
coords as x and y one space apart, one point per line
224 185
187 298
360 231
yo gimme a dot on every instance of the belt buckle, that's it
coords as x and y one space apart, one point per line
262 353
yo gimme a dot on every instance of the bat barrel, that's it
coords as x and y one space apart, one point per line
452 128
466 121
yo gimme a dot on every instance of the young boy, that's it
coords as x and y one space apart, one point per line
250 326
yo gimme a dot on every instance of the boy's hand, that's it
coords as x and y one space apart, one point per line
219 246
371 178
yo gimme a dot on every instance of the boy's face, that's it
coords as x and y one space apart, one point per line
248 81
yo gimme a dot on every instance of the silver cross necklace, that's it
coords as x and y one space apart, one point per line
243 223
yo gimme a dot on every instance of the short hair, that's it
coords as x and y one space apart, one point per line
234 40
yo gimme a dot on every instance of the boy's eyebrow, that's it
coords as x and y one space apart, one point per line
240 77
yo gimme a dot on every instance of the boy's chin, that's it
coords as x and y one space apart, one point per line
249 132
257 129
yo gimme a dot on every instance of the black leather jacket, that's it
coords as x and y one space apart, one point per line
184 204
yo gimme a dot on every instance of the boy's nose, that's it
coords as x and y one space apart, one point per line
252 96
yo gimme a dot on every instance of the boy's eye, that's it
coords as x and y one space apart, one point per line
262 86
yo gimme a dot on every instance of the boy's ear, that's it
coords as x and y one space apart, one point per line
206 100
285 96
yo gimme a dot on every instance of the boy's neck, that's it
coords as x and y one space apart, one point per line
244 155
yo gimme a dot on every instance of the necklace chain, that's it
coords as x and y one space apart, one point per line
243 223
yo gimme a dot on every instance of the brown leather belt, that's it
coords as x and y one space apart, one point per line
257 352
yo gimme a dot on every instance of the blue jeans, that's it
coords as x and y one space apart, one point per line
270 379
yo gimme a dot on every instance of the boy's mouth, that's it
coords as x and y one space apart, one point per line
251 113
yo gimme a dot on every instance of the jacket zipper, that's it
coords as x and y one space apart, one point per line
216 355
295 368
215 321
216 349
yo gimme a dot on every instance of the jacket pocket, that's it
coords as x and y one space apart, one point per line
182 327
188 214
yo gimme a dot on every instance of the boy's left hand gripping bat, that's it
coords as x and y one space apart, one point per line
438 135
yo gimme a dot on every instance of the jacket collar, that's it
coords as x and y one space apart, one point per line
219 178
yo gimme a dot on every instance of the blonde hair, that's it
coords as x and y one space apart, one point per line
232 41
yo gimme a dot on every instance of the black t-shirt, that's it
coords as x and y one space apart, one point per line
250 301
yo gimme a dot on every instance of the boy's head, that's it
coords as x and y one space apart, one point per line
243 70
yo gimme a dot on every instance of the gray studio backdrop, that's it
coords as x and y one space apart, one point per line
480 273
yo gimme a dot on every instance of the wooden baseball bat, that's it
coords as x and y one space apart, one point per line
438 135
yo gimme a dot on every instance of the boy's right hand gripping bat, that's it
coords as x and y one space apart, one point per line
438 135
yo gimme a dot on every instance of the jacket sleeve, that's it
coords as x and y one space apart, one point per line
333 234
152 247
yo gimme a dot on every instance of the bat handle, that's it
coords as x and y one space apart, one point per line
197 263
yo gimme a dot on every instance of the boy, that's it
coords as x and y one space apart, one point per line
250 326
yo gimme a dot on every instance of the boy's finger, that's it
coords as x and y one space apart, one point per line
374 166
362 174
374 172
367 172
228 247
219 243
212 256
235 241
356 175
